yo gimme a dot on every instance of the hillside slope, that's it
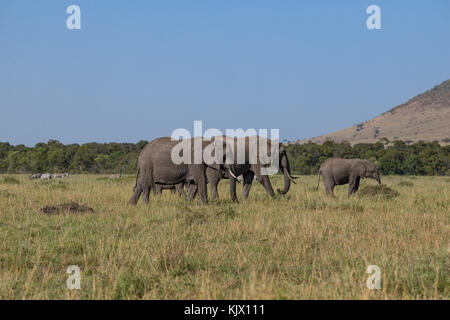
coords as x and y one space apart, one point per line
424 117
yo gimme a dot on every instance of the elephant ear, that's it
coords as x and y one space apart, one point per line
361 169
215 166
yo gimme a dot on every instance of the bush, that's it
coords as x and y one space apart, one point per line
379 191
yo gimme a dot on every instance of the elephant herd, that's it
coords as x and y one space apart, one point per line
234 158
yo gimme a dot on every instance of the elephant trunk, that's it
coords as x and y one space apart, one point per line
231 172
287 177
377 179
287 182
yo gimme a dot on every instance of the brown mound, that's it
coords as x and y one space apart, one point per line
70 207
379 191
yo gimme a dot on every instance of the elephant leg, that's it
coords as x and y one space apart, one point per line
192 191
213 180
147 184
233 189
146 195
248 180
268 186
172 190
200 181
329 186
357 184
137 193
352 185
158 189
180 189
264 180
332 190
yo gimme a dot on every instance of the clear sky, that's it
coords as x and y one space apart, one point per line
140 69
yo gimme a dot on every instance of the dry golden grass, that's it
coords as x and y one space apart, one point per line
299 246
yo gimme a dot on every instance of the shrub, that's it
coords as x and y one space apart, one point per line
379 191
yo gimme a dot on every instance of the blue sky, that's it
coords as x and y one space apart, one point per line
140 69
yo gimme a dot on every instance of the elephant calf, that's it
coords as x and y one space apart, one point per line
338 171
173 188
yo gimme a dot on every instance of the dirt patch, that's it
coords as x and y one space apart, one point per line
379 191
71 207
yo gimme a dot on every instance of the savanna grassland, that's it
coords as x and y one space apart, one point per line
299 246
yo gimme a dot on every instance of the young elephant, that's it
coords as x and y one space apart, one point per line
173 188
338 171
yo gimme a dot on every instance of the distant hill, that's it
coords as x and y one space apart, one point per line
424 117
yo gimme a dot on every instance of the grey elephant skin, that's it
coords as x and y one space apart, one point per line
338 171
249 170
155 166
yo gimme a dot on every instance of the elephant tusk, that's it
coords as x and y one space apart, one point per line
289 176
231 174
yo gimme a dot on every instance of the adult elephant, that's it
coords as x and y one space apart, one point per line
243 151
338 171
156 165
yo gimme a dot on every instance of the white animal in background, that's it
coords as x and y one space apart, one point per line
60 175
46 176
115 176
35 176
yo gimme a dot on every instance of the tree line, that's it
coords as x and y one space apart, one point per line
396 157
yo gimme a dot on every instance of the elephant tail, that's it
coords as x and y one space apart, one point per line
137 176
318 180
